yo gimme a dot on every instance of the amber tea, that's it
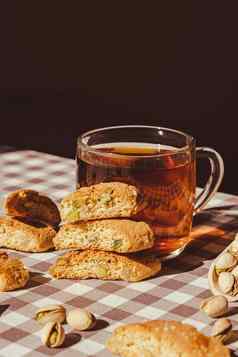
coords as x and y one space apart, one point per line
166 180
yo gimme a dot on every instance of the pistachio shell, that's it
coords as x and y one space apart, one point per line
234 247
53 334
234 272
235 288
226 282
215 306
222 329
51 313
226 262
81 320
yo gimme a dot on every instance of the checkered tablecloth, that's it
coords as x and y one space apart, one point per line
175 294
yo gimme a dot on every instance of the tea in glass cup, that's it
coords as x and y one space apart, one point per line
161 163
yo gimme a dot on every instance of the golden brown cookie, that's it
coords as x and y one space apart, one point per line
32 204
160 338
13 274
104 200
106 266
115 235
25 234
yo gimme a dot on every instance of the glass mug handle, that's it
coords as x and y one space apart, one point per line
214 180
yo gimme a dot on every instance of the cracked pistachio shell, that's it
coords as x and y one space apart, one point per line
226 282
81 320
222 330
215 306
225 262
53 334
51 313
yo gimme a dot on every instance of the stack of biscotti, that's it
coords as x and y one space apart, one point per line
107 242
29 222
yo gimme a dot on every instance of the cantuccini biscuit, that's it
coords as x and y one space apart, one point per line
104 200
13 274
106 266
25 234
32 204
160 338
116 235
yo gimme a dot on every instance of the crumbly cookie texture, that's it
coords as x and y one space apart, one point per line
13 274
106 266
115 235
104 200
25 234
32 204
160 338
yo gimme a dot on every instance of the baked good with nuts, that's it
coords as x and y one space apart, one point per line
115 235
106 266
161 338
100 201
25 234
32 204
13 274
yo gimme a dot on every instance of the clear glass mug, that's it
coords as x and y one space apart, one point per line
161 163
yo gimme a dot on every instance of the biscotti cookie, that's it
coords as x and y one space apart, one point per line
105 265
116 235
13 274
32 204
26 235
160 338
104 200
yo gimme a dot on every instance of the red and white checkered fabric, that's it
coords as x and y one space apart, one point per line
175 294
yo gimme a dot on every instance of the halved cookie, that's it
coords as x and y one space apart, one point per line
106 266
160 338
13 274
25 234
104 200
32 204
115 235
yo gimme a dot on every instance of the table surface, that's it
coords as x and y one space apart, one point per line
175 294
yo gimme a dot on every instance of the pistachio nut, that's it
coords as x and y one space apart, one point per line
116 244
226 262
234 248
51 313
105 198
52 334
81 320
226 282
222 330
101 271
215 306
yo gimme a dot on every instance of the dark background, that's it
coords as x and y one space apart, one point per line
66 67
